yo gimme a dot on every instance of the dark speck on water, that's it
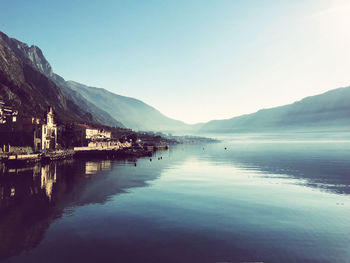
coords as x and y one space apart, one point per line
266 200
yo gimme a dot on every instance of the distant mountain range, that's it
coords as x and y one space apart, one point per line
28 84
327 111
131 112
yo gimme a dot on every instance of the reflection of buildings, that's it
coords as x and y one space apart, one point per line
48 178
25 183
31 198
41 180
94 167
24 207
46 174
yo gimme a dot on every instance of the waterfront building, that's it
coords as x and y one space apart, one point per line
7 114
94 133
49 132
27 133
96 137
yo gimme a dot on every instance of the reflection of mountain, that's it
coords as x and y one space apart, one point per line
321 165
32 198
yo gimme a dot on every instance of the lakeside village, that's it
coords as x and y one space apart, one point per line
26 139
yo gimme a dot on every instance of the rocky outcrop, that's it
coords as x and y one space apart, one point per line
28 83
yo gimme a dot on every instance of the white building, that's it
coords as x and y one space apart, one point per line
49 132
7 115
95 134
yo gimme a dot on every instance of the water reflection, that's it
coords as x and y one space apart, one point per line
94 167
48 178
209 205
31 198
323 165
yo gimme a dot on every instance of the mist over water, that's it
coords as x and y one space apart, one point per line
263 198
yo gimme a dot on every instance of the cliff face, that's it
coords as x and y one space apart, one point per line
25 88
31 55
28 83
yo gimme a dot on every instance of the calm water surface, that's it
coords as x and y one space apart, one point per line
261 199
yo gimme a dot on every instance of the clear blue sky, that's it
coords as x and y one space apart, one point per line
193 60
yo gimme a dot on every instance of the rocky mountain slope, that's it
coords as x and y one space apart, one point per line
131 112
71 100
28 83
327 111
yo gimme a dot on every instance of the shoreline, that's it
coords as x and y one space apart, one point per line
121 153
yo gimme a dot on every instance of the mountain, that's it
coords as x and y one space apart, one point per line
131 112
327 111
28 83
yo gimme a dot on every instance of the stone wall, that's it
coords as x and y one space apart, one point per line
20 149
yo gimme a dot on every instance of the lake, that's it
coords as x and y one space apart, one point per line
262 199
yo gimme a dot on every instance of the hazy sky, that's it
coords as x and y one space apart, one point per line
193 60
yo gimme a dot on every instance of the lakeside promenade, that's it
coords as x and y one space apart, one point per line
122 150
